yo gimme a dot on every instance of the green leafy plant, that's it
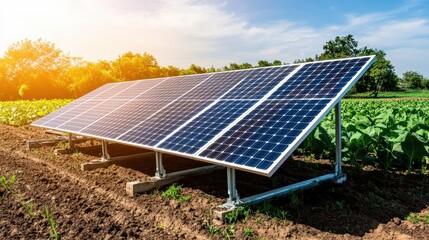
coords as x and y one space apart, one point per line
249 232
7 183
53 233
174 192
414 218
242 212
29 207
426 218
212 229
272 211
229 232
21 113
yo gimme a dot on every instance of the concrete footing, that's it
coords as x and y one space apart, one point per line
136 187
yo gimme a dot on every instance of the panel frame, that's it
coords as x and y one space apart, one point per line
279 161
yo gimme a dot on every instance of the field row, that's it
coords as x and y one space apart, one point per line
384 133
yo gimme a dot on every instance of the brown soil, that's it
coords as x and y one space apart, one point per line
94 205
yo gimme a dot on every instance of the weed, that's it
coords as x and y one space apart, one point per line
237 214
272 211
63 145
259 220
336 206
48 215
426 218
212 229
7 183
295 201
77 154
160 225
174 192
249 232
229 232
28 207
413 217
185 199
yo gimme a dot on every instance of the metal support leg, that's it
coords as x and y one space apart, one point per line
104 153
160 171
338 149
233 198
71 142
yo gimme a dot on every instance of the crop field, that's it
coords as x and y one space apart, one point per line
386 196
385 133
21 113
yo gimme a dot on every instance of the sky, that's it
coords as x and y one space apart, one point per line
218 32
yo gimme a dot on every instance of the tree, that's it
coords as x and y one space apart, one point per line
134 66
413 80
340 47
170 71
193 69
309 59
277 63
32 70
380 76
264 63
84 77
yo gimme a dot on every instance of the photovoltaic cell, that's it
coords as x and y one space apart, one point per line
173 88
138 88
97 111
203 128
260 82
320 79
114 124
154 129
216 85
75 104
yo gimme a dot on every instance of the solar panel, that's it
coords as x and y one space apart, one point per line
248 119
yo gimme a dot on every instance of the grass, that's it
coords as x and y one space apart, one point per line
414 218
7 183
48 215
212 229
29 207
233 216
175 192
249 232
394 94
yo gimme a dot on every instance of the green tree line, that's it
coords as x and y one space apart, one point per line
39 70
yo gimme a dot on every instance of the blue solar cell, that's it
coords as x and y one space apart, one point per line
203 128
76 104
113 125
173 88
313 79
260 82
215 86
150 131
85 118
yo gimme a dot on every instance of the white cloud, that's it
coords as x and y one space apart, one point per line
189 31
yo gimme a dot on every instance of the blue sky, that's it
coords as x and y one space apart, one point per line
215 33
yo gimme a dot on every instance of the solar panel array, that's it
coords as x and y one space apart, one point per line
249 119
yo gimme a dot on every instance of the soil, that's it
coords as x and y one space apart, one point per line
94 205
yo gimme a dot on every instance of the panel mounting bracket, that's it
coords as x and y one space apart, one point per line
160 170
104 152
